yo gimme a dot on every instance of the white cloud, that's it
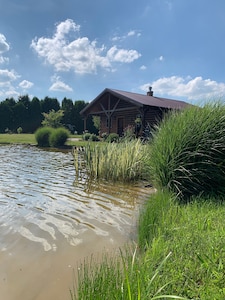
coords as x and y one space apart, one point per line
129 34
79 55
4 46
161 58
190 88
8 76
143 67
122 55
25 84
59 85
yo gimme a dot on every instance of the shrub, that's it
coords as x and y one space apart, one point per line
19 130
58 137
104 136
86 136
42 136
188 152
112 137
93 137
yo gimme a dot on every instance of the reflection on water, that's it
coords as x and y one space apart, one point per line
49 220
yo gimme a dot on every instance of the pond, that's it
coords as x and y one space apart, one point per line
50 220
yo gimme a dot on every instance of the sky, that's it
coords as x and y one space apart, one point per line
77 48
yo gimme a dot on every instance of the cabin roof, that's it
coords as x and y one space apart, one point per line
138 100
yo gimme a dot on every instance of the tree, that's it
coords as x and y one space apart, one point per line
35 114
48 104
68 120
6 117
53 118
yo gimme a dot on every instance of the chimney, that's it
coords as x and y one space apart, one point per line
150 92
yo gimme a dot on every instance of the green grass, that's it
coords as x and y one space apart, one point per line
17 138
194 233
26 138
180 250
180 255
188 152
123 161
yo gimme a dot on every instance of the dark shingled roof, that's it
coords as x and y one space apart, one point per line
139 100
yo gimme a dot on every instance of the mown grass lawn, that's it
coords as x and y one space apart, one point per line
14 138
29 139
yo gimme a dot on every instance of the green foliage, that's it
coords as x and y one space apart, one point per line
188 152
124 276
151 217
86 136
93 137
53 118
58 137
112 137
192 233
129 133
42 136
117 161
104 136
96 122
54 137
19 130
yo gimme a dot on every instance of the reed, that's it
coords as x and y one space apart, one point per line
123 161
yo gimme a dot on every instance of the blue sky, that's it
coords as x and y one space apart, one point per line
77 48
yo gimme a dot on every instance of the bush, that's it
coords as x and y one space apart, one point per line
86 136
58 137
19 130
112 137
188 152
93 137
42 136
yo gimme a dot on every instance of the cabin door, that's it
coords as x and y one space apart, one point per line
120 122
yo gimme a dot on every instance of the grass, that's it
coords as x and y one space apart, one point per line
188 152
180 252
29 139
194 234
180 255
17 139
123 161
124 277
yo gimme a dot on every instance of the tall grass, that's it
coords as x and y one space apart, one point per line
188 152
125 277
123 161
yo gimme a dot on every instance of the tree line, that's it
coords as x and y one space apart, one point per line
26 115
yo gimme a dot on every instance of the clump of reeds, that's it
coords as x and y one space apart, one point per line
188 151
125 161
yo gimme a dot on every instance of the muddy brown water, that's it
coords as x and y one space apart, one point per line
51 220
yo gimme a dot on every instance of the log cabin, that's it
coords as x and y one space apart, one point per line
119 109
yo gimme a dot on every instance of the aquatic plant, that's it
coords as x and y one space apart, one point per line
117 161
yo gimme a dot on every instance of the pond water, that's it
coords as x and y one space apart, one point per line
50 220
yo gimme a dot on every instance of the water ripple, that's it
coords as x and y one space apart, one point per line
42 201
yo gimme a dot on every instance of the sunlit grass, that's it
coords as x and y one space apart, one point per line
188 152
123 161
17 138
